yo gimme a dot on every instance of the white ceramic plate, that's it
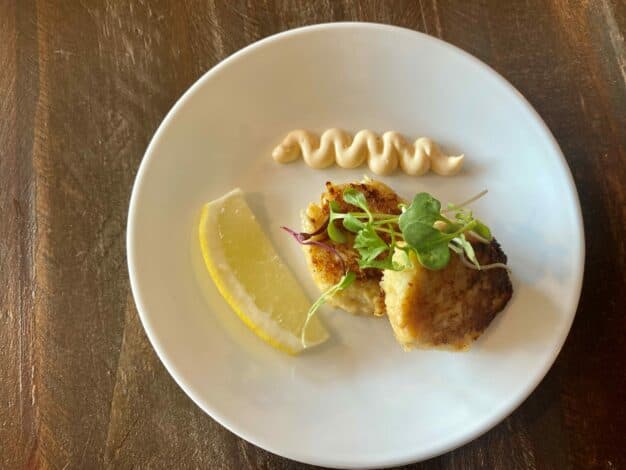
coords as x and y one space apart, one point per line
359 400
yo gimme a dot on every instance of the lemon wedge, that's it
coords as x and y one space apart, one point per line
252 278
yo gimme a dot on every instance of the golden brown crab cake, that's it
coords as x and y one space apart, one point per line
448 308
364 296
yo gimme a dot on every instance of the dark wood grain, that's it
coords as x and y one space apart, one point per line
84 84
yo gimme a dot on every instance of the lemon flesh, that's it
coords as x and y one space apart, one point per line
252 278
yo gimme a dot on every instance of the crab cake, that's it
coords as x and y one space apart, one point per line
364 296
448 308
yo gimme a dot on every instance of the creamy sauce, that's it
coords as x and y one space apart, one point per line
383 155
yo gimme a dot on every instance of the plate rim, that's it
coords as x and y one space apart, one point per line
407 458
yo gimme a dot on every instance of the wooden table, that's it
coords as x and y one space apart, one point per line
84 84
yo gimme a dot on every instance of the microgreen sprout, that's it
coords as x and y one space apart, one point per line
422 227
347 279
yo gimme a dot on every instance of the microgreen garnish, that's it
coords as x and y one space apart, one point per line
344 282
422 228
357 198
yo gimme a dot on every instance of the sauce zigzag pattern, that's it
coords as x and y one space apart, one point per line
382 154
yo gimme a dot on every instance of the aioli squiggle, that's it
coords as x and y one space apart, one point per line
383 155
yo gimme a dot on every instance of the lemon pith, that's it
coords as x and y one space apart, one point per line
251 277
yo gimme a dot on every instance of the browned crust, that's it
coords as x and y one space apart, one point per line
445 308
380 198
453 306
365 295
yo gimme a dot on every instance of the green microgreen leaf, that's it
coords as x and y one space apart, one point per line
377 264
416 222
369 244
434 257
395 266
418 234
482 230
462 216
352 223
424 209
357 198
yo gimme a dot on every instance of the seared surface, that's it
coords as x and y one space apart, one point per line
448 308
364 296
